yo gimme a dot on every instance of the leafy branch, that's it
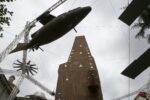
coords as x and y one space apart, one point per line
5 15
144 24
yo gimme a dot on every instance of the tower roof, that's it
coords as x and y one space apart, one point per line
80 50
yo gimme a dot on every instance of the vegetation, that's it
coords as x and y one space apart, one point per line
144 24
5 15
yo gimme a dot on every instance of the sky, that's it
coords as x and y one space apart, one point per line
108 39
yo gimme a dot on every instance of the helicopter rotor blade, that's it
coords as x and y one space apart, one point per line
16 63
16 66
19 61
34 70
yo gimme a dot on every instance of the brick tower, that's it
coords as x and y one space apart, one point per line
78 78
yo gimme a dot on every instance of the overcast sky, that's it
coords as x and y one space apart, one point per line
107 37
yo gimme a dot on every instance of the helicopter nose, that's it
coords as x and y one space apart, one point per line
87 9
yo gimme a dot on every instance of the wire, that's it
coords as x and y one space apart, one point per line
115 12
129 84
113 7
129 63
128 45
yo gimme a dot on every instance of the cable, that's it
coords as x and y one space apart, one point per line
129 84
112 7
129 63
128 45
115 12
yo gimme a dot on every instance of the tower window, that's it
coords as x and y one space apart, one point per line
80 45
80 65
81 53
67 79
92 67
65 65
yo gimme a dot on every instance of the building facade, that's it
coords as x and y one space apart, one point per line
31 97
5 88
78 78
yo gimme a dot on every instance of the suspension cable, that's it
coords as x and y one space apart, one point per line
129 55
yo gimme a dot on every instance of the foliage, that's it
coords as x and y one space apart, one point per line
5 15
144 24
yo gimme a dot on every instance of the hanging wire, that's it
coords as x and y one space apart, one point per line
113 7
128 44
129 83
115 12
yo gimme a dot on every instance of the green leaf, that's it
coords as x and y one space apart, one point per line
5 14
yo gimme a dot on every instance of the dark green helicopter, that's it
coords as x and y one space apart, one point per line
54 27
